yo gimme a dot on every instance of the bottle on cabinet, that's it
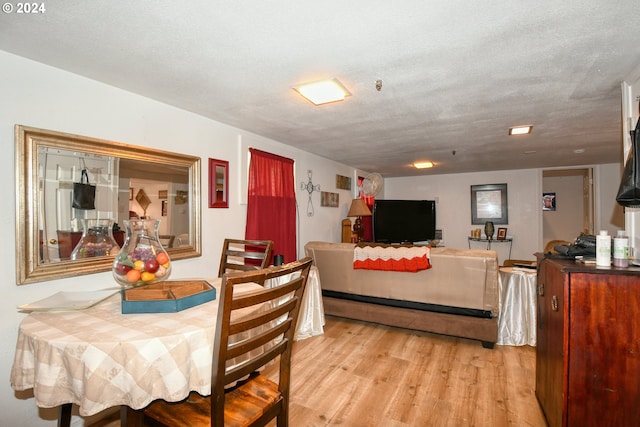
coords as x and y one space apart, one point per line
621 250
603 249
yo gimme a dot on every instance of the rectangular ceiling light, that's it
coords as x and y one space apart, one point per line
323 92
520 130
423 165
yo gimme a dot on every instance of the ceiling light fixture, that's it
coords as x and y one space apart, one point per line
323 92
520 130
423 165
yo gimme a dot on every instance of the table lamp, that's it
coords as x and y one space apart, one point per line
358 209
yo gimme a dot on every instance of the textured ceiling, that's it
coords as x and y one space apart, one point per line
456 74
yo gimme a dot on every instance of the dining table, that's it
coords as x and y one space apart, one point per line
98 358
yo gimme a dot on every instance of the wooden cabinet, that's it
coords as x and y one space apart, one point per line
348 236
588 345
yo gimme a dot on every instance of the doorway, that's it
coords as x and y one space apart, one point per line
572 209
61 223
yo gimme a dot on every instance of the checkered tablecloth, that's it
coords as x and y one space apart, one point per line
99 358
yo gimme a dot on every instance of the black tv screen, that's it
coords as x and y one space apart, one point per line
404 221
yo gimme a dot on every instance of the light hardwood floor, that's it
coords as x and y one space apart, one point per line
363 375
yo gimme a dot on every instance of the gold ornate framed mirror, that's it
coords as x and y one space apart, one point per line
48 163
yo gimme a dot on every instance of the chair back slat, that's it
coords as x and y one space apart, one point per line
245 253
258 319
260 297
241 255
238 349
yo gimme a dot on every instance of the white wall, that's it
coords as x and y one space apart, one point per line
611 216
566 221
453 209
37 95
524 192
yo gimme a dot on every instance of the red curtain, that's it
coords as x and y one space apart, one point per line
367 221
271 202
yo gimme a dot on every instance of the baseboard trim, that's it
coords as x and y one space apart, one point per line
476 328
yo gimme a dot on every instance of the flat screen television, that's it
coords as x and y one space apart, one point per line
404 221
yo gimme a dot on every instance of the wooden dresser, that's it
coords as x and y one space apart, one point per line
588 349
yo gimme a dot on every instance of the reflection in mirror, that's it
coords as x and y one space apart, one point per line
218 183
129 182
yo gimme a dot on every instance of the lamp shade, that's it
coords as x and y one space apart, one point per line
359 208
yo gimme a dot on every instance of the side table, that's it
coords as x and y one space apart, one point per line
517 301
489 242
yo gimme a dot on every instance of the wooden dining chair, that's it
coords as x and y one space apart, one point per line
240 395
550 246
513 262
244 255
166 240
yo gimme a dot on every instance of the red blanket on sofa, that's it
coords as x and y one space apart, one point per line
391 258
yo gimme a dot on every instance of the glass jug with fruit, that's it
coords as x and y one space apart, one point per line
97 240
142 259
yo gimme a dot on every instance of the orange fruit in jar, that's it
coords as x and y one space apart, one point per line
138 265
133 276
162 258
147 276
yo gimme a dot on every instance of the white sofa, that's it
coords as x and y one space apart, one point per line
458 296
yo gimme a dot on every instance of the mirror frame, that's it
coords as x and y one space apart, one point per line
213 200
29 140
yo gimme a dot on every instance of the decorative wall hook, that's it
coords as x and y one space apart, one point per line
310 189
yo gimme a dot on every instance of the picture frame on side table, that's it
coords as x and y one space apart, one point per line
489 203
502 233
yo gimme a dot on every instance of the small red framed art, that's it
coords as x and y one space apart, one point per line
218 183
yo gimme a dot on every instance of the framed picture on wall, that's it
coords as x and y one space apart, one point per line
218 183
489 203
548 201
328 199
343 182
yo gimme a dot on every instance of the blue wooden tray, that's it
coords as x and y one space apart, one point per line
167 297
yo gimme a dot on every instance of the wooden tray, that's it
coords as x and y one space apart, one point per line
167 297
